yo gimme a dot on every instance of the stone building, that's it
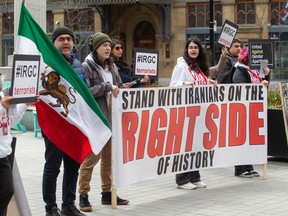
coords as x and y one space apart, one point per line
163 25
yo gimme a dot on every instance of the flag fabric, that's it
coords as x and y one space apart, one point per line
67 112
284 14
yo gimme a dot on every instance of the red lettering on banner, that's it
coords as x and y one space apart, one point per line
175 130
157 136
143 134
237 124
223 126
255 124
210 138
129 128
192 112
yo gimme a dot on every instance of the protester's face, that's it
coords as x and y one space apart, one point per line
235 49
193 50
64 43
103 51
117 50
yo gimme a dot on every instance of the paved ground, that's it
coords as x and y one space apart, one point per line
225 194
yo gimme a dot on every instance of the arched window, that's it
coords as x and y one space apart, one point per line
199 14
245 12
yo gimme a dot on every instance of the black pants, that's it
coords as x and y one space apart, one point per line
184 178
6 184
243 168
54 157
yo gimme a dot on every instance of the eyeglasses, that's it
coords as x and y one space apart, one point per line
62 39
118 48
194 47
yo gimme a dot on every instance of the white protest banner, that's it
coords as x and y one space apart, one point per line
227 33
25 77
146 62
159 131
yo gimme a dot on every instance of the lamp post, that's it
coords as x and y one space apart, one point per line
211 31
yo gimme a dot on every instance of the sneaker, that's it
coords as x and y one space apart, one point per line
200 184
187 186
106 199
53 212
84 203
254 173
71 210
245 175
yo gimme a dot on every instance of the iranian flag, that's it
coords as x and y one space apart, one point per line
67 112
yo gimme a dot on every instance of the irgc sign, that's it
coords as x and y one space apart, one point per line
228 33
146 63
25 75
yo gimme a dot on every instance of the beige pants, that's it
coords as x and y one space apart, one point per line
86 170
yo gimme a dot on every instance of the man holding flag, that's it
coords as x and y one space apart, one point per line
67 112
62 38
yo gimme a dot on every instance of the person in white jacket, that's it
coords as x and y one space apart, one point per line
192 69
10 115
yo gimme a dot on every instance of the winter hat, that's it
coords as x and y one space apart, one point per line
61 30
98 39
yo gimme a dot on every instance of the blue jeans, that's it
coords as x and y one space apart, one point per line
54 157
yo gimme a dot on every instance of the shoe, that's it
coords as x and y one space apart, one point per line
187 186
71 210
84 203
245 175
106 199
200 184
254 173
53 212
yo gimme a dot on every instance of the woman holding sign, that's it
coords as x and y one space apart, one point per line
243 74
125 71
192 69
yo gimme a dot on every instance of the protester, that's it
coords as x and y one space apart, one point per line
125 71
243 74
102 78
11 114
63 39
231 59
191 69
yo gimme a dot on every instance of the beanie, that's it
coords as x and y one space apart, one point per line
98 39
61 30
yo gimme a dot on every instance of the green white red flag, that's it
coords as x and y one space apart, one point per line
77 125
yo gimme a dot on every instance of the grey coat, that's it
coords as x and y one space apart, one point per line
98 87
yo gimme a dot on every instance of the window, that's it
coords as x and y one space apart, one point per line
276 7
199 14
8 23
245 12
80 19
49 21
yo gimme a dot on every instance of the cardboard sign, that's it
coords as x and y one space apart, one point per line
227 33
25 74
261 50
146 62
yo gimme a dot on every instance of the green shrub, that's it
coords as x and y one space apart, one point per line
274 100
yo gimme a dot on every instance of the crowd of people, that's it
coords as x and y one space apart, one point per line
105 71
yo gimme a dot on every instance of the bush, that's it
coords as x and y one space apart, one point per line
274 100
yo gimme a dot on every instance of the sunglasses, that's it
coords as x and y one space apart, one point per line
62 39
118 48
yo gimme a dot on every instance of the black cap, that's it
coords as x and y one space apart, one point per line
61 30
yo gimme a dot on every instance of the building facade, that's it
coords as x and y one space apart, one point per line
163 25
